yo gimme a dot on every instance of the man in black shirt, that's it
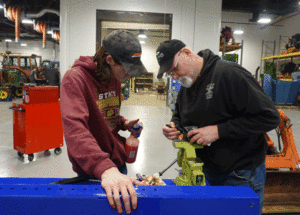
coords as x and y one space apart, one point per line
229 108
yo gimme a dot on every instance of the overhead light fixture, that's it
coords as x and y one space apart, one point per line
264 20
50 32
142 34
23 44
238 32
1 6
142 42
8 40
27 21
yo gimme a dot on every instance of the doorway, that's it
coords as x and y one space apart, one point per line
151 29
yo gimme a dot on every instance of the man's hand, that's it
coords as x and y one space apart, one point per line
205 135
129 124
171 133
114 183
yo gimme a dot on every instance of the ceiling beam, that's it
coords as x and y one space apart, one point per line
22 30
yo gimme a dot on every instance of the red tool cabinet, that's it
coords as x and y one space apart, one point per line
37 124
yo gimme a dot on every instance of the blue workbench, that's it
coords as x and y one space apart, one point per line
36 196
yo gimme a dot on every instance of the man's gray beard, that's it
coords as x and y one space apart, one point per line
186 81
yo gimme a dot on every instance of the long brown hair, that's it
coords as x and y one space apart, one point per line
103 71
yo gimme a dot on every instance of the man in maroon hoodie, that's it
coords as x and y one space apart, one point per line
90 106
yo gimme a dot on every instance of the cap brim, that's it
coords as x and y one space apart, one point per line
165 68
134 70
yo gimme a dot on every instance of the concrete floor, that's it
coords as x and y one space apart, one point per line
155 151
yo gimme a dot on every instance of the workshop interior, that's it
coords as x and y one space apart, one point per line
36 176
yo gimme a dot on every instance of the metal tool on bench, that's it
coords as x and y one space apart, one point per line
183 132
191 173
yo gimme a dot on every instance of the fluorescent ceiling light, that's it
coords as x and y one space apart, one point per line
238 32
8 40
49 32
264 20
23 44
142 36
142 42
27 21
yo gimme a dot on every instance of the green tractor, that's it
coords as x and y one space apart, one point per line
16 70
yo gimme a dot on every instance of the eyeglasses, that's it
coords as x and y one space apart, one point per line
173 70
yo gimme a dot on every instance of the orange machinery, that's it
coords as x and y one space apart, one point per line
282 187
37 124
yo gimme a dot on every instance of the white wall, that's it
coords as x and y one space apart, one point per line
253 37
78 23
207 25
291 26
149 56
33 47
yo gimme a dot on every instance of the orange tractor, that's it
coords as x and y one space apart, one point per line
282 188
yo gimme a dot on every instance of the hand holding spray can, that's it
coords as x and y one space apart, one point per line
132 144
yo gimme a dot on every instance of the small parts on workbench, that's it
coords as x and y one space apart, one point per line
153 180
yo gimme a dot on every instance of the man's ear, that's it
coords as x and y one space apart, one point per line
109 59
186 51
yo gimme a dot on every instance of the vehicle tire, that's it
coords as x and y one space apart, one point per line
3 94
19 92
57 151
20 154
30 157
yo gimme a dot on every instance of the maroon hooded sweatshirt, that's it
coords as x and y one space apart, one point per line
91 120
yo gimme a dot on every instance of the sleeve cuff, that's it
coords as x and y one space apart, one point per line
123 120
223 131
102 166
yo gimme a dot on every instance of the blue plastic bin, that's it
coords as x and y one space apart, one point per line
296 76
287 92
269 86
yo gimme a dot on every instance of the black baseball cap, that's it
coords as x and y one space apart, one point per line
165 54
126 49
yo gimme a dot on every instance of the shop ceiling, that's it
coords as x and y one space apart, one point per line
47 11
42 11
277 8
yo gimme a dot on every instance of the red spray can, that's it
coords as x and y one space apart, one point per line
132 144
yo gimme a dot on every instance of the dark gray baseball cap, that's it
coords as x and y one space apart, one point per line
126 49
165 54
